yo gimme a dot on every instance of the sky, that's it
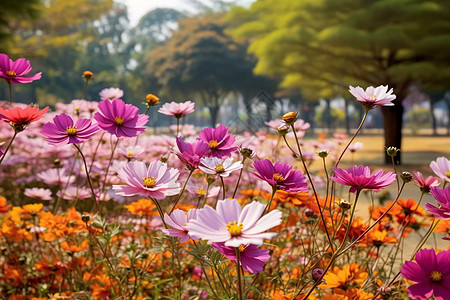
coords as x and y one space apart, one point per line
138 8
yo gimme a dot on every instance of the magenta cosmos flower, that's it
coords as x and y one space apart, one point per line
372 97
234 226
178 220
432 274
281 176
220 142
120 119
442 197
425 184
15 71
190 154
441 167
63 131
218 166
251 257
359 178
156 181
177 110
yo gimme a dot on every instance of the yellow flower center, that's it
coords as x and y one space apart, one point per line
220 169
129 153
76 108
213 144
278 177
447 174
436 276
149 181
71 130
372 96
119 120
234 228
201 192
11 73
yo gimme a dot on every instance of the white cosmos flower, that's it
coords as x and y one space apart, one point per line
218 166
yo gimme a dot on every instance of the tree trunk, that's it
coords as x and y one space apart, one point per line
214 112
447 103
393 123
433 118
347 117
328 115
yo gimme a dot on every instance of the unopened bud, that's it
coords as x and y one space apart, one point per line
88 75
85 218
289 118
323 153
151 100
344 204
246 152
283 129
317 274
309 213
392 151
406 177
163 159
385 290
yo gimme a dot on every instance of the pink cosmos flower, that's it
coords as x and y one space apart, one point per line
120 119
15 71
38 193
425 184
274 124
132 152
156 181
234 226
220 142
201 189
359 178
177 110
178 220
442 197
62 131
111 94
441 167
431 273
252 258
190 154
55 176
217 166
280 176
355 147
75 193
373 96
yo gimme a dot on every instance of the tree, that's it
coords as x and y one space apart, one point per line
200 62
337 43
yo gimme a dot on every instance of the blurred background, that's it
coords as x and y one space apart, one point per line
243 62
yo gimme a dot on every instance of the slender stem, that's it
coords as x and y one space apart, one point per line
9 145
109 163
85 88
223 187
313 187
238 268
182 190
239 179
96 150
178 126
160 211
354 136
395 171
267 209
10 90
287 144
87 175
146 111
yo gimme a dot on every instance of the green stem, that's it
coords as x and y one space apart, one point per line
267 209
223 187
10 91
239 179
88 177
395 171
238 268
178 126
182 190
9 145
160 211
85 88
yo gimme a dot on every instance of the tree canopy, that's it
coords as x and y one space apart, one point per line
326 45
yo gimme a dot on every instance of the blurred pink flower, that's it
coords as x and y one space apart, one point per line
274 124
220 142
373 96
431 272
63 131
442 197
74 193
252 258
55 176
156 181
280 176
217 166
177 110
15 71
359 178
441 167
200 189
425 184
38 193
111 94
178 220
132 152
355 146
120 119
234 226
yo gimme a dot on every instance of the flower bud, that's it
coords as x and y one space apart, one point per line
309 213
289 118
316 274
85 218
163 159
323 153
246 152
392 151
344 204
283 129
406 177
88 75
151 100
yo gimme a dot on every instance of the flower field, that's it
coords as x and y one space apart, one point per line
93 206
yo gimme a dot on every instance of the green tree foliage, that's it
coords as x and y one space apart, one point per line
330 44
201 62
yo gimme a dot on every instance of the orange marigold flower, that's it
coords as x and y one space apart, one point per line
377 238
353 294
349 276
291 198
4 208
74 247
142 207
